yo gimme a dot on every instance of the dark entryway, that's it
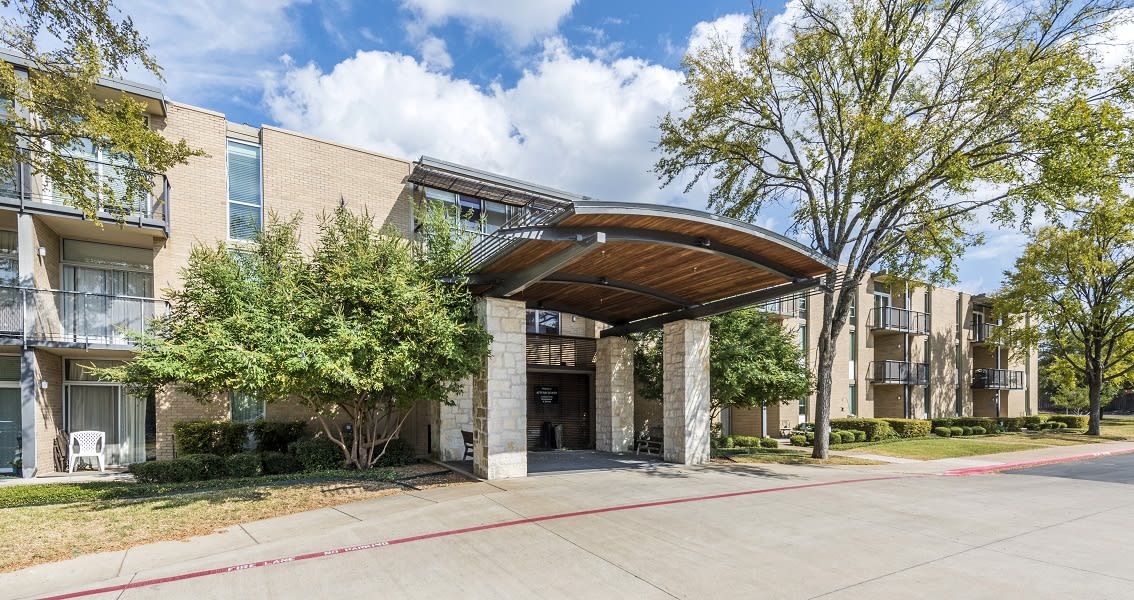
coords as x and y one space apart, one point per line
561 399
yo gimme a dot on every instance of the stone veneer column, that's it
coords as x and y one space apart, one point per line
500 401
614 394
450 420
685 392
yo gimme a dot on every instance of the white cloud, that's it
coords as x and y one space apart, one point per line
434 53
580 124
207 49
729 30
523 21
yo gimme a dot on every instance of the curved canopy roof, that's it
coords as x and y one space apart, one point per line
634 266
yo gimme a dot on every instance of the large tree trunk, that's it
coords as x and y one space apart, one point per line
1094 394
827 336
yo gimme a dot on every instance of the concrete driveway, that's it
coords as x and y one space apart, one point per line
656 532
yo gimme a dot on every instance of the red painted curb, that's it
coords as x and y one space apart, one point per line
1034 463
447 533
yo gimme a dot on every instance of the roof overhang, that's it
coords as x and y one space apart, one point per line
633 266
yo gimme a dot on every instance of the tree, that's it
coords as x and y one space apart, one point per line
51 111
359 331
753 362
879 122
1075 283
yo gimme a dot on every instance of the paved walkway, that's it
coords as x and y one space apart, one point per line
658 531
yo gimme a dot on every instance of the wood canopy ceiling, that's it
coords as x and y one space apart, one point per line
633 266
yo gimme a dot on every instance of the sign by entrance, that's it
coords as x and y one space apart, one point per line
547 394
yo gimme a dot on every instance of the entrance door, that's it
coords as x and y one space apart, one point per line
562 399
9 427
109 408
882 309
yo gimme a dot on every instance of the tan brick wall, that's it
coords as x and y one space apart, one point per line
745 421
48 409
172 406
309 176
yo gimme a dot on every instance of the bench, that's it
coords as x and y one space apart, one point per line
649 441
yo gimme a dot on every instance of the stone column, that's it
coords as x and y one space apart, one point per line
685 391
499 394
614 394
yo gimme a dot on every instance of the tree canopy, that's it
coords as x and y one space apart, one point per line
359 330
1072 291
886 127
753 362
53 120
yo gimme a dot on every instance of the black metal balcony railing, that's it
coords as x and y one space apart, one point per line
25 188
998 379
896 371
561 351
982 333
899 320
32 315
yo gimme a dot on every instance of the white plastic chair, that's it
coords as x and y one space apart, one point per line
91 444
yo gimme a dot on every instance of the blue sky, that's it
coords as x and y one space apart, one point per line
565 93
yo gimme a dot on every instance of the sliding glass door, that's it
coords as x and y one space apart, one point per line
107 407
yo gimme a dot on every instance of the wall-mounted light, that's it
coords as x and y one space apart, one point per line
42 251
43 384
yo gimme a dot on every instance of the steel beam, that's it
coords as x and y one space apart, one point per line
516 282
714 308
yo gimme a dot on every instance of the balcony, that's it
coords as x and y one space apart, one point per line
34 194
997 379
899 372
59 318
783 308
888 319
561 351
983 333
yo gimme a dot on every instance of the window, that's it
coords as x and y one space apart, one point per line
9 259
245 408
114 285
853 353
852 400
245 196
470 213
543 321
11 421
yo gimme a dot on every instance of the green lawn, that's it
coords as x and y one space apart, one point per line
932 448
101 517
786 456
1118 426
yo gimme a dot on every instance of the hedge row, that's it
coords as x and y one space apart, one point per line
959 430
875 429
747 441
225 438
304 455
837 436
910 428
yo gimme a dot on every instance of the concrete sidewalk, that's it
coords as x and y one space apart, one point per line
776 505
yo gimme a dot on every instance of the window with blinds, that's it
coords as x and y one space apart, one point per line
245 197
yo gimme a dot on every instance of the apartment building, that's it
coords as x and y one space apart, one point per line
907 351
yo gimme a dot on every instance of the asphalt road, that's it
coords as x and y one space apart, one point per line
1109 469
751 531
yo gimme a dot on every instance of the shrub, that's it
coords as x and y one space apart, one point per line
1060 425
177 470
319 454
208 466
738 441
1034 421
276 437
769 443
245 464
278 463
859 435
943 431
955 430
943 422
850 436
1071 421
400 453
1011 423
222 438
875 429
810 435
910 428
978 430
966 430
798 440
